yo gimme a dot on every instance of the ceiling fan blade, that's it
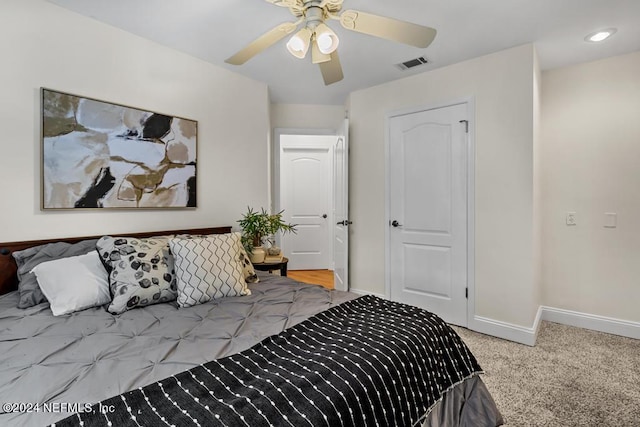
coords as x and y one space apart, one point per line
318 57
287 3
387 28
331 70
261 43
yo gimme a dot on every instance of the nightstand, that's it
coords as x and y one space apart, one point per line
273 266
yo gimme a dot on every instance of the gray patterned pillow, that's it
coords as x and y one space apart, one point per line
26 260
141 271
207 268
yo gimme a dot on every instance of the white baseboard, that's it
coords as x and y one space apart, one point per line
528 336
507 331
491 327
363 292
593 322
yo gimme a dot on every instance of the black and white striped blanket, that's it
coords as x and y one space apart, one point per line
365 362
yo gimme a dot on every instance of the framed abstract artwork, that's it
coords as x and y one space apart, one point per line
96 154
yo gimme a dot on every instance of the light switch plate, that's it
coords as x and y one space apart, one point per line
610 220
571 218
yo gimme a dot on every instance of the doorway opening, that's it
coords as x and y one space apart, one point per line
309 187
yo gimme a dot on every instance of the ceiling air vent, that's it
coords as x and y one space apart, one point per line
412 63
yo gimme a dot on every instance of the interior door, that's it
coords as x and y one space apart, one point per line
306 192
428 211
341 208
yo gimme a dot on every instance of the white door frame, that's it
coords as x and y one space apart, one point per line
341 234
471 208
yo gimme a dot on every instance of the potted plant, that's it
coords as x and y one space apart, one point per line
258 227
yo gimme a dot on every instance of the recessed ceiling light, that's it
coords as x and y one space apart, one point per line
601 35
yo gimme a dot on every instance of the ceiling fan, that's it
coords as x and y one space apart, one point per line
316 35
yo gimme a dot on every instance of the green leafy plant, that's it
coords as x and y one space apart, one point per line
257 227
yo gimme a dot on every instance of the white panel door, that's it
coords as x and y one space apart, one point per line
306 197
428 211
341 209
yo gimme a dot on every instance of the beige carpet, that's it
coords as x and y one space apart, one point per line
572 377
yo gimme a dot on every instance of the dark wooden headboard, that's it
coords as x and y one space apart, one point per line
8 267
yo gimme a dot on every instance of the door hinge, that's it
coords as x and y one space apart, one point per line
466 293
466 125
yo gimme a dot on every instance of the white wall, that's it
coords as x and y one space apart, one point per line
304 119
537 182
591 165
44 45
306 116
503 87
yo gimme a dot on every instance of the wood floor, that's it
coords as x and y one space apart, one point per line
318 277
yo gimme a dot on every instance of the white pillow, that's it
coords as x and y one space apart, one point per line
208 268
74 283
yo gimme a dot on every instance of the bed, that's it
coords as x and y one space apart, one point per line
288 353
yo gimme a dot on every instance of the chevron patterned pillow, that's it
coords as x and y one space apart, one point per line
207 268
248 272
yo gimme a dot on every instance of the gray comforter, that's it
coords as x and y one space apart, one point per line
88 356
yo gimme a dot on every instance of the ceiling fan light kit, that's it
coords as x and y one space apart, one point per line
327 40
323 40
298 45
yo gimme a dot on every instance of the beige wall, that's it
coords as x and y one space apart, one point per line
44 45
591 165
306 116
502 85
